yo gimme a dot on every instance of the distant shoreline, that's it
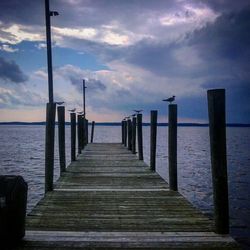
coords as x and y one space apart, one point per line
118 124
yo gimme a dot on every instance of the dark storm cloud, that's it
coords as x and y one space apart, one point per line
79 13
24 12
222 45
10 71
92 84
227 38
94 13
226 5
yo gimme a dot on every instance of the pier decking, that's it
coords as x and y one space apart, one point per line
108 199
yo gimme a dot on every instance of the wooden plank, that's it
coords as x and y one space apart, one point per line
107 199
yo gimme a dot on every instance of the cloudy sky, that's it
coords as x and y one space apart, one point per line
133 54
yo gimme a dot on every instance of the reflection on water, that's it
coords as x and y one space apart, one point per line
22 152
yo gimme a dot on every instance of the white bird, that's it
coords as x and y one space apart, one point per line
59 103
80 112
138 111
72 110
170 100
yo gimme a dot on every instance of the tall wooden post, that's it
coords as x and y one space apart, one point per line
61 137
217 132
122 127
73 136
49 146
79 133
153 136
92 131
87 131
83 132
172 146
139 136
134 135
125 133
129 134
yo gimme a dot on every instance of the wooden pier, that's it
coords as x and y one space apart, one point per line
108 199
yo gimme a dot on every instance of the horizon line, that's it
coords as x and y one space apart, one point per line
197 124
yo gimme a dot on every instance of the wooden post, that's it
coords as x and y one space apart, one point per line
217 132
61 137
83 132
134 135
49 146
92 131
139 136
125 133
73 136
129 134
172 146
153 136
79 133
87 131
122 127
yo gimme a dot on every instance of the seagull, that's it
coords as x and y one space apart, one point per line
170 100
72 110
138 111
59 103
80 112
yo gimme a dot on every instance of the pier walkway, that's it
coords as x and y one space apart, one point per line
108 199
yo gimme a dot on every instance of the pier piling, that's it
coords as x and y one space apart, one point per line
49 146
92 131
129 134
85 122
125 133
122 128
134 135
79 133
73 136
153 135
139 136
61 137
172 146
217 132
83 132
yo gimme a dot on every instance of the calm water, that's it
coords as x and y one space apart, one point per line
22 152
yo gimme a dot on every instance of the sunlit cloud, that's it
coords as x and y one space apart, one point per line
8 48
189 14
18 33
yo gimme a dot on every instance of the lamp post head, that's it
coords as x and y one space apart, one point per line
53 13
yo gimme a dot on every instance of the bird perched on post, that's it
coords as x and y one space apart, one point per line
72 110
59 103
170 100
138 111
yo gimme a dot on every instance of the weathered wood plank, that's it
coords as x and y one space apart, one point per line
107 199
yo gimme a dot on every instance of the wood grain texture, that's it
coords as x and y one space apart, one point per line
108 199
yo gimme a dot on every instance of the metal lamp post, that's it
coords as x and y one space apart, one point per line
50 108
